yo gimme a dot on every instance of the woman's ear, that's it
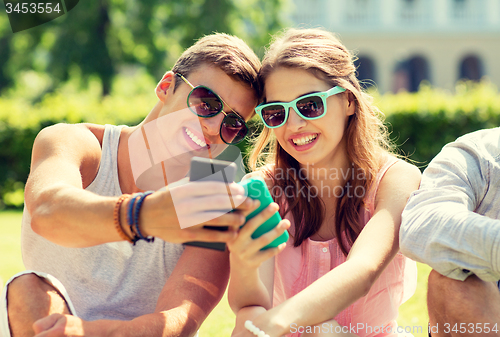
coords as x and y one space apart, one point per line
163 86
351 103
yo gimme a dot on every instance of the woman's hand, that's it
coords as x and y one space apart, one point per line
249 285
260 318
245 252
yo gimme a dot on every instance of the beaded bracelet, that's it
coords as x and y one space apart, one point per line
130 218
137 209
117 220
253 329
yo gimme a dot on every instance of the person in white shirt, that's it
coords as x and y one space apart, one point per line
452 223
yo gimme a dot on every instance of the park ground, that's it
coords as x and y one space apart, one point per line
412 314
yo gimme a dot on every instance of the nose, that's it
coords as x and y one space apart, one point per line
211 126
295 122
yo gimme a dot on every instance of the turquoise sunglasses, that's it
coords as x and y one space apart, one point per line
310 106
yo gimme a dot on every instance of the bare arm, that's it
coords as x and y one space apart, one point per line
189 295
375 247
64 156
66 159
252 270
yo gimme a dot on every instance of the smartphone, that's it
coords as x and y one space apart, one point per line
206 169
256 188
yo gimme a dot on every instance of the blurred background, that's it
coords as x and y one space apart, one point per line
431 65
401 43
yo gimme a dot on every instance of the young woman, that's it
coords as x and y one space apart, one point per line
341 192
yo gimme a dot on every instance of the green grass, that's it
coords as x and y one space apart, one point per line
221 321
412 314
10 247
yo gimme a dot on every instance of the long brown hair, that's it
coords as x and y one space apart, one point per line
322 54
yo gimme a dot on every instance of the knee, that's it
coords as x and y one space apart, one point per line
30 298
24 286
30 291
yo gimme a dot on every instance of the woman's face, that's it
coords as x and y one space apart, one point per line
318 141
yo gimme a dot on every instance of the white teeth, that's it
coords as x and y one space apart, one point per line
194 138
304 140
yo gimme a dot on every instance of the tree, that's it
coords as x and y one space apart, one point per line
97 38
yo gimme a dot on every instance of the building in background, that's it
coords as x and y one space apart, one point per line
400 43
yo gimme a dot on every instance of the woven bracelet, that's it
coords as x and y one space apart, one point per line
130 218
137 210
117 218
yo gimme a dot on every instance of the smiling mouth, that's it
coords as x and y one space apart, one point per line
194 138
304 140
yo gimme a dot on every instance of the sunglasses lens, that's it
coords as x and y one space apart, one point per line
273 115
205 102
233 129
311 107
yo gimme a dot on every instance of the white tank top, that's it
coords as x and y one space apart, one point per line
109 281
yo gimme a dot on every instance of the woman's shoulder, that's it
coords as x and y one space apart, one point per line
399 176
391 175
388 160
393 166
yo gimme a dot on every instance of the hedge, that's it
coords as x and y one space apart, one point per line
420 123
21 120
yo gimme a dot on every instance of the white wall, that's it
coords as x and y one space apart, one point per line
443 54
377 28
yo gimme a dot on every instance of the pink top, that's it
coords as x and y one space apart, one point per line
298 267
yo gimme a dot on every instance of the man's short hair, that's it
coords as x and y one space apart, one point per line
229 53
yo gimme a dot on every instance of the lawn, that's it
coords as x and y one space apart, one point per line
221 321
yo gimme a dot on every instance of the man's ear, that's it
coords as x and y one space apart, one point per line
163 86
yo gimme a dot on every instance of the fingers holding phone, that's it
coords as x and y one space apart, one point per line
178 214
248 252
221 212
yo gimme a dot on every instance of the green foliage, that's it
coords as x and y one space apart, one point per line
100 38
422 123
22 119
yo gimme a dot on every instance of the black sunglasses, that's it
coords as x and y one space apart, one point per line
205 103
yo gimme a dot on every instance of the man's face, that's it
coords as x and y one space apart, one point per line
183 131
177 134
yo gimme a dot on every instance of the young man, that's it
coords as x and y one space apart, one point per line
452 223
91 282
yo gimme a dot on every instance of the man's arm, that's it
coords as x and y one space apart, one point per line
190 294
66 159
440 226
192 291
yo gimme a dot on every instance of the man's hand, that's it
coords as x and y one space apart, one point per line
57 325
195 203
